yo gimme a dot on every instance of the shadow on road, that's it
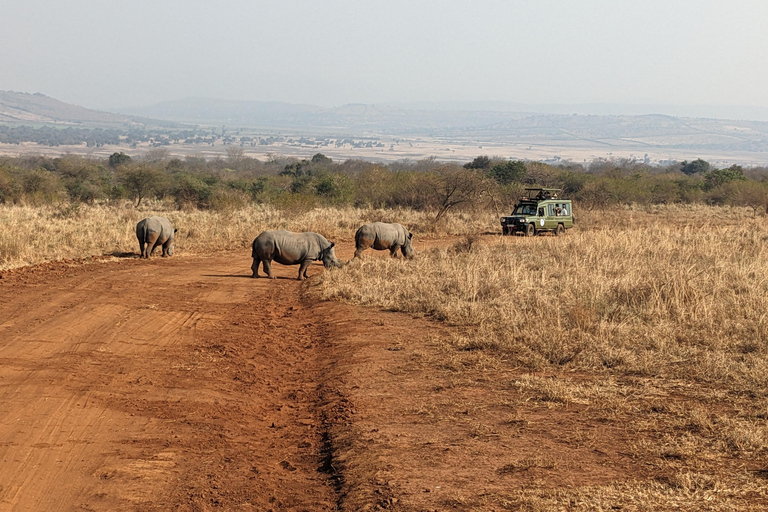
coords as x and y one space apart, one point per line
241 276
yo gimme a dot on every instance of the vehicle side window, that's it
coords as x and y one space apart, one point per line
551 210
541 212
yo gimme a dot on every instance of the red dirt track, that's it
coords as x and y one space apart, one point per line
176 383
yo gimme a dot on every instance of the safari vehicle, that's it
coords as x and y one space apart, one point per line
540 210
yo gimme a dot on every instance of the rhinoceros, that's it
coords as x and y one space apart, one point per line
290 248
382 236
154 231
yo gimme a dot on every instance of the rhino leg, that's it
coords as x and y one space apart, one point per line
151 241
303 269
361 244
255 266
268 268
393 250
141 248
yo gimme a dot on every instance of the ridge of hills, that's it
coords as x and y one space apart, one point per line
503 123
474 123
21 108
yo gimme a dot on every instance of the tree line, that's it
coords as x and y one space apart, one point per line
98 137
428 184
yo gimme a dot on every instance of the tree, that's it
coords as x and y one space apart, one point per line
298 169
480 162
505 173
118 159
453 186
752 194
140 180
698 166
717 177
321 159
235 157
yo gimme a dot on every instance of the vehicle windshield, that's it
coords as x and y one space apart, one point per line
525 209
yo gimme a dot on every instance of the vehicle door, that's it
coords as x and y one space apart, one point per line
550 217
567 218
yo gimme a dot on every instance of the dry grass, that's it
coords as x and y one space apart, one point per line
651 298
33 235
655 321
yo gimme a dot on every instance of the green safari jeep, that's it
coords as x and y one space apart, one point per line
540 210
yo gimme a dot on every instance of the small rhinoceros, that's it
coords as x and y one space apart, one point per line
154 231
382 236
290 248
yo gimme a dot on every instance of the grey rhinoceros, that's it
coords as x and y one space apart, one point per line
154 231
290 248
382 236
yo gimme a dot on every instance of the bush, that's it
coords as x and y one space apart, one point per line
42 187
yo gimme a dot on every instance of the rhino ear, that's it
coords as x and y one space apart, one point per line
332 244
175 230
410 235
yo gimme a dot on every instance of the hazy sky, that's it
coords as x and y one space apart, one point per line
110 53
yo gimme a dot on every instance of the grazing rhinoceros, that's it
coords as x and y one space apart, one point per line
291 249
381 236
154 231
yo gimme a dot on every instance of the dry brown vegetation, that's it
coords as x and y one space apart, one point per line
33 235
654 320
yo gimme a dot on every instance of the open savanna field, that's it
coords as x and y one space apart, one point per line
622 366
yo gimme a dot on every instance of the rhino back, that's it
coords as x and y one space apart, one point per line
391 233
155 224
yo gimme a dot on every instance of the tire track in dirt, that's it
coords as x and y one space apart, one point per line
177 383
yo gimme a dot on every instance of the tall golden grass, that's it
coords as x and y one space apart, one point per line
676 292
32 235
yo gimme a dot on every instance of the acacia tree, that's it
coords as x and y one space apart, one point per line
453 186
236 157
140 180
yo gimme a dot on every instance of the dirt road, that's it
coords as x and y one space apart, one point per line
176 383
183 384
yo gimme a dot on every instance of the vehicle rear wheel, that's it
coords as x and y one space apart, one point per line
559 230
530 230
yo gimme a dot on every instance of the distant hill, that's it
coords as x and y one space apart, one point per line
504 124
353 118
474 121
38 109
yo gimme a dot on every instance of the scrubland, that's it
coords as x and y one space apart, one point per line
657 318
34 234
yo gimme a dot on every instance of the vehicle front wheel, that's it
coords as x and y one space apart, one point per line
559 230
531 230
